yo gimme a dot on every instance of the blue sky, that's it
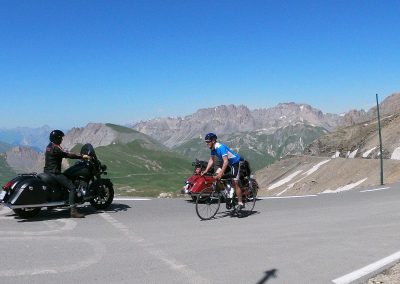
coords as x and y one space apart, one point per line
67 63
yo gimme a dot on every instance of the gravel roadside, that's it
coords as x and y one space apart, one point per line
389 276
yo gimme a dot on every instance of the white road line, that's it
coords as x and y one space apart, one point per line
132 199
375 189
287 197
369 270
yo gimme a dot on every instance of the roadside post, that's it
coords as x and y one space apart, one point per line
380 138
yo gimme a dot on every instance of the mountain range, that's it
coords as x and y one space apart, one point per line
229 119
154 156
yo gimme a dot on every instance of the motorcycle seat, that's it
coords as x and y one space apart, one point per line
48 179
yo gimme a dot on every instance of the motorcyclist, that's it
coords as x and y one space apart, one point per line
228 157
53 159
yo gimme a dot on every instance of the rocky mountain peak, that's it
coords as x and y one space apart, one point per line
97 134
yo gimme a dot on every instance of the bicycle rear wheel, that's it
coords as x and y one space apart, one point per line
207 204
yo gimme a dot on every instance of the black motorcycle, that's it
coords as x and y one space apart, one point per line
26 194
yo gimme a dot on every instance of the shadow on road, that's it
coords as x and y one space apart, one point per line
268 275
117 207
62 213
233 214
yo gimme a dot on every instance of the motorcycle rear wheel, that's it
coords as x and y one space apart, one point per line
27 213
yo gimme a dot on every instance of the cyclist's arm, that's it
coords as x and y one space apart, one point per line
209 165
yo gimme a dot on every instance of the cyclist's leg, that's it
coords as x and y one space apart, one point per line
235 168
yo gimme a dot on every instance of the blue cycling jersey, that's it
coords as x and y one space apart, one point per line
221 150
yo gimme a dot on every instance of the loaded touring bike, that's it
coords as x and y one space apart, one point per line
209 200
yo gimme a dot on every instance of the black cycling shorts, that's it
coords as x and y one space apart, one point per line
235 170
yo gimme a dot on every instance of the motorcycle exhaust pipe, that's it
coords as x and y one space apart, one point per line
50 204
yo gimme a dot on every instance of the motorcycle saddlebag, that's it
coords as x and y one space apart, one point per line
28 189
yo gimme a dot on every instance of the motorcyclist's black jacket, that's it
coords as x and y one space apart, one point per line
53 158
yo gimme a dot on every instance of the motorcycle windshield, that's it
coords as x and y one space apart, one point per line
88 149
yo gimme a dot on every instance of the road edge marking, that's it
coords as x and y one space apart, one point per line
131 199
287 197
370 270
375 189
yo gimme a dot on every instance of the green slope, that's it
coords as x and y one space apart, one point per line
6 173
4 147
127 135
137 170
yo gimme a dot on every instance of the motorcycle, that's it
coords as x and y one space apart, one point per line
26 194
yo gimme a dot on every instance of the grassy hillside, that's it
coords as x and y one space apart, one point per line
4 147
136 170
126 135
6 173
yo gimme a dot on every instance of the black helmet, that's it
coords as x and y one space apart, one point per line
210 136
56 135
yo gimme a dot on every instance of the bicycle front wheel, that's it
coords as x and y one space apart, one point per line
207 204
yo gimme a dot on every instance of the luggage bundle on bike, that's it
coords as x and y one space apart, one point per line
196 183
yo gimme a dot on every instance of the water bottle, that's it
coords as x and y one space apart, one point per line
226 192
229 190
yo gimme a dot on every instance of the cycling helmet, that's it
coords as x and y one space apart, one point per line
210 136
56 135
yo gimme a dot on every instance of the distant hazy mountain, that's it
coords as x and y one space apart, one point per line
24 136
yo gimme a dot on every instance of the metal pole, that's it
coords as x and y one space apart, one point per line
380 138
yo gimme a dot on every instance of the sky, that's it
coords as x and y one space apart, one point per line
65 63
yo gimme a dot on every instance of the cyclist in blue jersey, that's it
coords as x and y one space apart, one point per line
225 155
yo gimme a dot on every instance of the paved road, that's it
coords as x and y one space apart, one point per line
314 239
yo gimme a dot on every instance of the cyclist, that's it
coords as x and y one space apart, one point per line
227 157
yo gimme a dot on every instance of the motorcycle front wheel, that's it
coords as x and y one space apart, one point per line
104 197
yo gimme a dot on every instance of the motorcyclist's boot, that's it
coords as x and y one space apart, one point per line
75 214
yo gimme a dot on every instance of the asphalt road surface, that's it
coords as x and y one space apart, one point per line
314 239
